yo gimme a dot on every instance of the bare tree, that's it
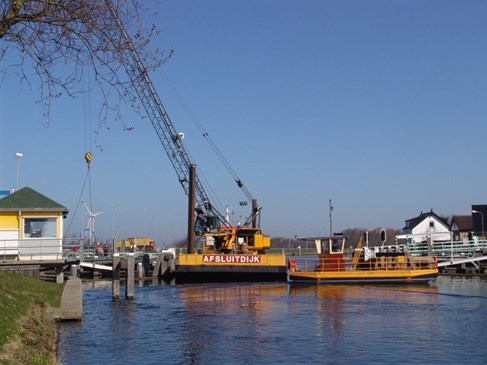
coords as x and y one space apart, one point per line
54 42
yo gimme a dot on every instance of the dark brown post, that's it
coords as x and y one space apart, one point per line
254 213
191 206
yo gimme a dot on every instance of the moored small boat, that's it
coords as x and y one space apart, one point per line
333 266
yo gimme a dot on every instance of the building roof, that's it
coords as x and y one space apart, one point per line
463 222
29 199
413 222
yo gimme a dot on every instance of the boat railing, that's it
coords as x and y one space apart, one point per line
383 263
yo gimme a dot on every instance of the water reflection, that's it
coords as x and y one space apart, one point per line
264 323
221 318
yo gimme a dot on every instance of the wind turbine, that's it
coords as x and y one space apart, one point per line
91 222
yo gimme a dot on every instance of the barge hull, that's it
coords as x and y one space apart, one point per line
229 274
197 268
320 278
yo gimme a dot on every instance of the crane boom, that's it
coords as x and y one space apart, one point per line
159 118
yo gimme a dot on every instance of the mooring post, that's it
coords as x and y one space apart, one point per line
430 245
163 267
74 271
116 276
140 273
129 287
156 272
59 274
172 264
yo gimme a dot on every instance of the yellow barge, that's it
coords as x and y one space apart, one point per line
365 266
232 254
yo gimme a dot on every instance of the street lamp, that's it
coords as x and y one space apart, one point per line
482 217
113 228
331 209
145 223
18 155
154 223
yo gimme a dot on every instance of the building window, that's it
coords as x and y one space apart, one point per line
432 224
39 227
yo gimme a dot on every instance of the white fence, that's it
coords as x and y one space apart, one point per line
32 249
450 249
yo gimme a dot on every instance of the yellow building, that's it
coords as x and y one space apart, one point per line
31 227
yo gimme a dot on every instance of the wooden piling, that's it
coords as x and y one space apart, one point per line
129 287
140 271
73 271
157 267
59 274
163 267
116 276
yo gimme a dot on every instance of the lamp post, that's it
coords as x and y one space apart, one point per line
331 209
154 224
482 217
145 223
113 228
18 155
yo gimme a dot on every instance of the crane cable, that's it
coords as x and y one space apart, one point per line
205 134
88 146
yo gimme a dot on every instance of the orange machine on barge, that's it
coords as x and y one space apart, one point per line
331 266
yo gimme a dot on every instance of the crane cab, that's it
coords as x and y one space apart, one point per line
206 223
236 240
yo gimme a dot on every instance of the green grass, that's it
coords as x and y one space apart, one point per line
22 303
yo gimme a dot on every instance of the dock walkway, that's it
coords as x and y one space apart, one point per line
71 308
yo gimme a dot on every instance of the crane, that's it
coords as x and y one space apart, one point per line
209 219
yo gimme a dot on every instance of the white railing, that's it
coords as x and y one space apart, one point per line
36 249
450 249
31 249
9 249
73 250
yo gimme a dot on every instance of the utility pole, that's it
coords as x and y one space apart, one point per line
331 209
18 155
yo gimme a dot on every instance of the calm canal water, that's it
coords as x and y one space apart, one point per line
270 323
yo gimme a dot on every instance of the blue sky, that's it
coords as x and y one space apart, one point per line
377 105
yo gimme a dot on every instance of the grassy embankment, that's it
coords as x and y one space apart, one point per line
27 333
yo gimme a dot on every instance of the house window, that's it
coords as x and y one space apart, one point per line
432 224
39 227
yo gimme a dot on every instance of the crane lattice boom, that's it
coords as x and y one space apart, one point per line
159 118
